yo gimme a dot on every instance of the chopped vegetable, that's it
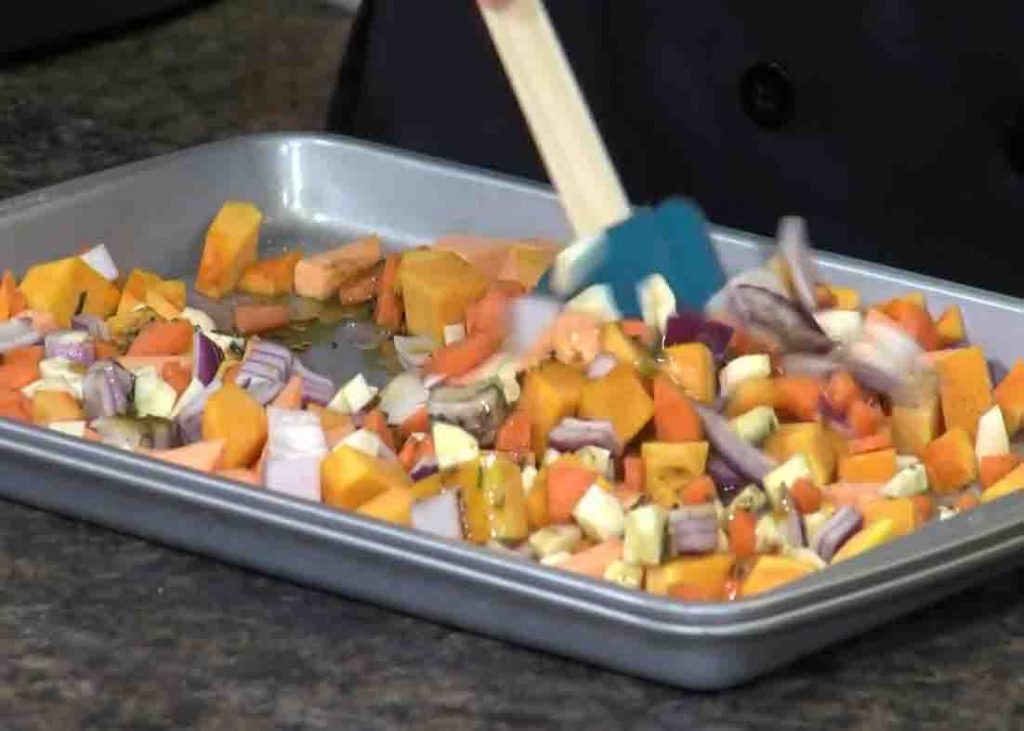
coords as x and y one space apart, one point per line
229 249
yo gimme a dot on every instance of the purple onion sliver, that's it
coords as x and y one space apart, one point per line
105 389
601 366
92 324
806 364
572 434
316 389
837 531
206 358
439 515
723 475
694 529
792 237
423 469
690 327
743 457
796 530
760 308
70 345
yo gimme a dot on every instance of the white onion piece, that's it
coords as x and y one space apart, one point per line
295 476
601 366
439 515
403 397
17 333
413 351
100 260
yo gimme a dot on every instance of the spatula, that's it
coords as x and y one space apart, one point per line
615 245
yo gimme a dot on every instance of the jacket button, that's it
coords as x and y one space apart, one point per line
766 94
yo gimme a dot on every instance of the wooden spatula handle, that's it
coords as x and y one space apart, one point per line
559 119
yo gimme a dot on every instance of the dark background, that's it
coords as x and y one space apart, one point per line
100 630
895 127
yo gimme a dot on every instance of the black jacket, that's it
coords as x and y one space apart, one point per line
895 126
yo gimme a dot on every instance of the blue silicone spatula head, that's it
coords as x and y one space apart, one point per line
671 239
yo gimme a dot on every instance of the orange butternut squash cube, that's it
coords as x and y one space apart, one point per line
229 249
877 466
901 511
350 478
950 327
135 286
808 439
437 287
965 388
914 427
59 287
771 572
1009 394
551 392
271 277
393 505
692 366
750 394
495 504
234 416
707 572
12 301
1013 482
620 398
950 461
669 466
51 406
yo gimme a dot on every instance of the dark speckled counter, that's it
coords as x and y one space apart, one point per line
100 630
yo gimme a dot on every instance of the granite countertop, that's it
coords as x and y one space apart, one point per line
100 630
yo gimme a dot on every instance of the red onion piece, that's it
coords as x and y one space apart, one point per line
189 421
723 475
17 333
439 515
528 318
743 457
796 529
265 370
792 238
760 308
206 358
423 469
693 327
105 389
837 531
295 448
601 366
693 529
74 345
92 324
572 434
316 388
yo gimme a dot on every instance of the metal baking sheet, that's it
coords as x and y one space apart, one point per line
319 190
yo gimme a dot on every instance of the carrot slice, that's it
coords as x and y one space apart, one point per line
566 483
966 501
15 405
134 362
106 350
842 390
463 356
163 338
29 353
675 419
871 443
864 418
633 471
176 375
742 537
409 452
388 311
698 491
376 422
489 313
806 496
205 456
514 434
915 321
290 397
994 468
261 318
924 506
18 375
595 560
798 396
